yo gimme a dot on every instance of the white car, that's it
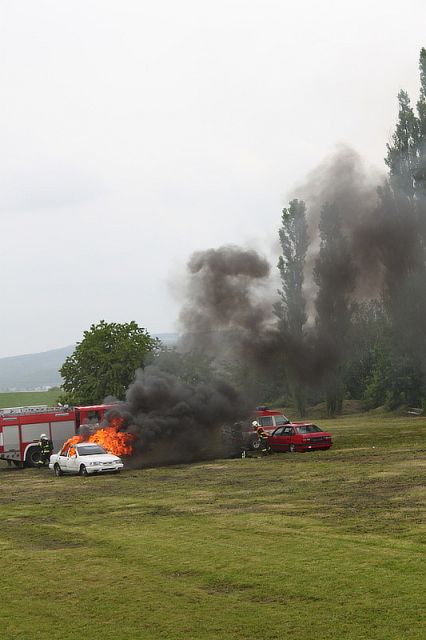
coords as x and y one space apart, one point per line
84 459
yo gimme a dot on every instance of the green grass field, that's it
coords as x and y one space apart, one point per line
27 398
326 545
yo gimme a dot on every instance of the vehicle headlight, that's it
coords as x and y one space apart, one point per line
93 463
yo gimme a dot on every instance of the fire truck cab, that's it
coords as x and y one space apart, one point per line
21 428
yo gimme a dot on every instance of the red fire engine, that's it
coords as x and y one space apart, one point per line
21 428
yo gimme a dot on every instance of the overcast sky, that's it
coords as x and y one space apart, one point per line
134 133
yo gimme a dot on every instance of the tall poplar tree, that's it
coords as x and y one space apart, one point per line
291 309
334 274
421 104
403 152
403 203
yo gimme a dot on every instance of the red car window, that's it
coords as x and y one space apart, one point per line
309 428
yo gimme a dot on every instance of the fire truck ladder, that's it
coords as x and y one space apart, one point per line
22 411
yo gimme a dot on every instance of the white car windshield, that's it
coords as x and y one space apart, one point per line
90 450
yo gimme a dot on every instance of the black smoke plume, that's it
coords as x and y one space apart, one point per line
174 421
366 240
177 421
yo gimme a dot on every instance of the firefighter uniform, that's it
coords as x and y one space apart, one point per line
46 448
261 432
263 438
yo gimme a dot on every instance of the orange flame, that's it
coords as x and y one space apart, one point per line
69 442
114 441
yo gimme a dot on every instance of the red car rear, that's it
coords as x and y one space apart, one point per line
299 437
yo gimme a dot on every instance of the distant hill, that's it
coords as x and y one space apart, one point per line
168 339
34 371
39 371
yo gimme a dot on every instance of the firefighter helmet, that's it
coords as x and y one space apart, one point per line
255 424
43 436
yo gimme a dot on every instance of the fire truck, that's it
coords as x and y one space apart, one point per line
21 428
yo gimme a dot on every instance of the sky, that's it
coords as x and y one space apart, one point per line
134 133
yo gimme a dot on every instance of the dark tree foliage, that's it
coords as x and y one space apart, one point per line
421 104
403 152
104 362
401 358
291 308
395 380
334 274
368 324
294 244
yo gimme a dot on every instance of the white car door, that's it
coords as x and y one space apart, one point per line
63 460
72 461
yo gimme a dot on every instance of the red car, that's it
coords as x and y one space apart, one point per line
299 436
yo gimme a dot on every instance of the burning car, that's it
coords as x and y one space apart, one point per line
299 437
84 458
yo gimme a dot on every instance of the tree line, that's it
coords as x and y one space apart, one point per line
380 340
370 348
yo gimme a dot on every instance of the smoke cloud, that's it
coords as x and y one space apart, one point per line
174 421
229 310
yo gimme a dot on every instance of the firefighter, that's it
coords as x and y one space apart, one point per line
46 448
263 438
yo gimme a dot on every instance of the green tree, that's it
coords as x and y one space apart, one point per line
368 323
421 104
104 362
403 208
294 244
334 274
420 173
291 310
403 152
396 379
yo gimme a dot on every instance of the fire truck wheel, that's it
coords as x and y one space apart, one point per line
33 457
83 471
292 448
58 471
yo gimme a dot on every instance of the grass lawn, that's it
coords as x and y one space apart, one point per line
326 545
28 398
